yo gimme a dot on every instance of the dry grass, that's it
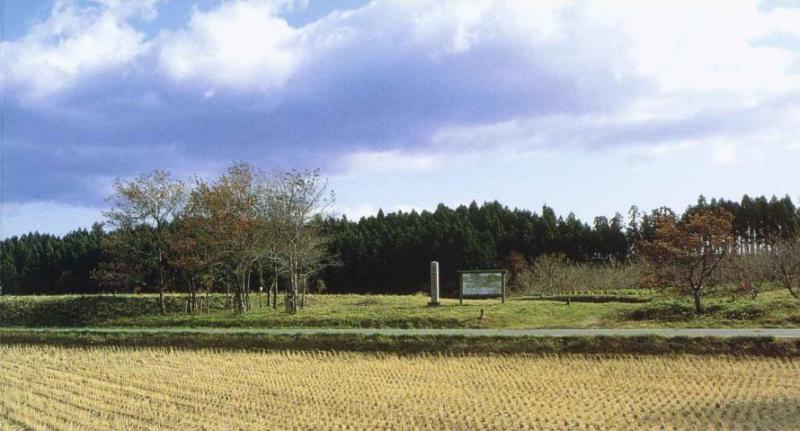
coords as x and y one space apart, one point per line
118 388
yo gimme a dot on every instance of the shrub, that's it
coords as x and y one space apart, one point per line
662 312
554 274
744 312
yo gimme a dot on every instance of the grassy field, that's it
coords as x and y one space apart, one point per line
111 388
772 309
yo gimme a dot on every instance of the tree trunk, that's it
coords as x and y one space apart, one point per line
227 295
274 288
296 292
261 287
238 304
303 297
291 297
274 291
162 305
239 299
192 295
247 290
291 301
698 306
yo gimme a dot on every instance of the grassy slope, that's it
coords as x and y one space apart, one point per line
773 309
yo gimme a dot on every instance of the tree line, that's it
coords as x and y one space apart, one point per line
388 252
246 230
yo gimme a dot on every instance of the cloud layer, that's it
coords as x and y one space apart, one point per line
391 85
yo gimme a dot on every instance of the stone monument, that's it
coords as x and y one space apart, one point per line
434 283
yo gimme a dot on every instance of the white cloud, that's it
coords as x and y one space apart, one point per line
354 212
240 45
74 42
724 153
407 208
652 153
383 161
564 131
403 86
707 46
357 211
454 27
246 45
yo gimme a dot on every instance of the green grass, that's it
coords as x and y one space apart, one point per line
772 309
652 345
330 311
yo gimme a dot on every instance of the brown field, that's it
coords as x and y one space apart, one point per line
118 388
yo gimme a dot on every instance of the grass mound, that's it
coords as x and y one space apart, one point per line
77 310
330 311
593 309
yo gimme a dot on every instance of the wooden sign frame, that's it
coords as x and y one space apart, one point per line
502 294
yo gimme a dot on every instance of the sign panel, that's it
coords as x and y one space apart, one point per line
482 284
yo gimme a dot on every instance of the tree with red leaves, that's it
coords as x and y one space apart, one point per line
686 253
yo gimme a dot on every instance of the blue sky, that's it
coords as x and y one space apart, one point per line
587 106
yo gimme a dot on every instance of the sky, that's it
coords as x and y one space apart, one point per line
586 106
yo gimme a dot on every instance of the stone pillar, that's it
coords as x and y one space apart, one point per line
434 283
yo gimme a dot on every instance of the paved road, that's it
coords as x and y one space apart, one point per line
664 332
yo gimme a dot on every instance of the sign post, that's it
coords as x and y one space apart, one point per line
482 284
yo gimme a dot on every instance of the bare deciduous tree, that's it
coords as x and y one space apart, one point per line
556 275
754 271
785 256
193 256
295 201
146 204
226 213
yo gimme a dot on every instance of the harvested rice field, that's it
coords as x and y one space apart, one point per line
54 388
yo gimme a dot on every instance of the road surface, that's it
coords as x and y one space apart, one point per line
611 332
